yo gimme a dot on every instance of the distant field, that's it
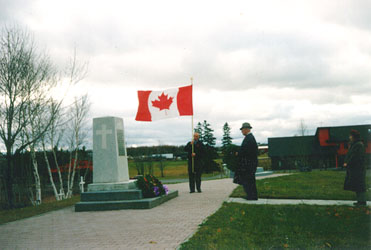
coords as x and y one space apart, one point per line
178 169
172 169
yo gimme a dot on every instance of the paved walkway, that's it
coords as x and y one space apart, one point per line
215 177
162 227
294 202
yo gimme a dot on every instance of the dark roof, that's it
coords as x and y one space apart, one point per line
291 146
308 145
341 133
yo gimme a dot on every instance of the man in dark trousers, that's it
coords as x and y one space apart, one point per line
248 162
195 172
355 179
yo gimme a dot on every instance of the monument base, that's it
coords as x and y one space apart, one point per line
145 203
112 186
114 196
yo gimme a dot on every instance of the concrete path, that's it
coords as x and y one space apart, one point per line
295 202
215 177
162 227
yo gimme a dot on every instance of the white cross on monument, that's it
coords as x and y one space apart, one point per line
104 132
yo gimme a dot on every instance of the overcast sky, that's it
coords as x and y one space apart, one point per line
270 63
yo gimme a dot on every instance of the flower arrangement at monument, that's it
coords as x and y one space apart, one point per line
151 186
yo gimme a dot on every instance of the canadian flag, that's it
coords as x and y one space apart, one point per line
156 105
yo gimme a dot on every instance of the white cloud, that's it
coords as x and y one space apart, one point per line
271 63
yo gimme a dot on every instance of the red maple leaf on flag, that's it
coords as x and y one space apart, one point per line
163 102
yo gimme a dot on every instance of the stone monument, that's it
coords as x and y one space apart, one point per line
111 188
110 162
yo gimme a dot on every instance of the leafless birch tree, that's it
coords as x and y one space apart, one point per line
23 74
54 107
77 117
75 72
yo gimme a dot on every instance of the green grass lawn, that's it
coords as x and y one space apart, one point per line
323 185
22 213
241 226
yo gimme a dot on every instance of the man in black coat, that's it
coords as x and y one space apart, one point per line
248 162
355 179
194 172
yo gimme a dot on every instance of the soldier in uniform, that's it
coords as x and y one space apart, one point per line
195 172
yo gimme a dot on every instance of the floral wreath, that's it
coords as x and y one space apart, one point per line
151 186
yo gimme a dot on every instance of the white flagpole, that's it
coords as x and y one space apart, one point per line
193 147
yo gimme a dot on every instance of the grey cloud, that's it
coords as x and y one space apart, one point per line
226 58
276 60
330 96
281 111
287 43
281 60
91 38
350 13
170 131
9 9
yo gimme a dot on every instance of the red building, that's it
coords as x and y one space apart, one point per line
326 149
81 165
337 139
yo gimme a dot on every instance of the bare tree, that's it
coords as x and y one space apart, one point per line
302 128
24 74
75 72
30 133
77 117
54 107
302 160
40 119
